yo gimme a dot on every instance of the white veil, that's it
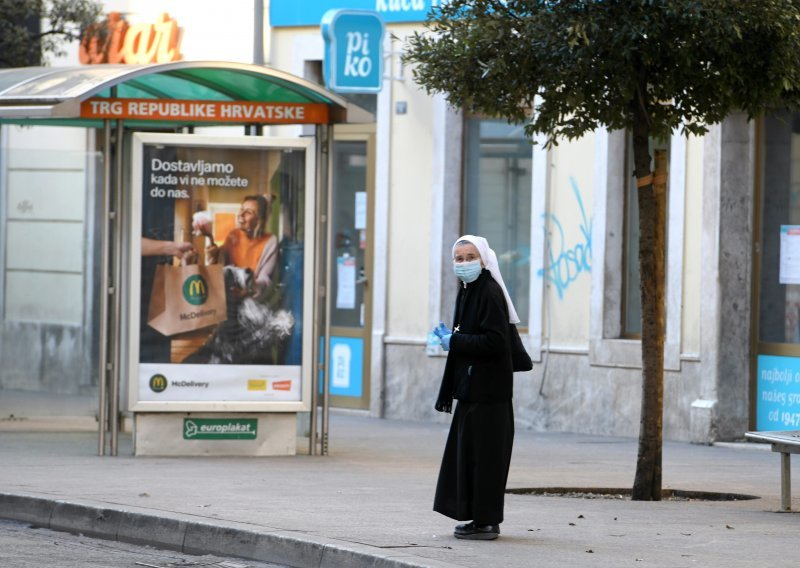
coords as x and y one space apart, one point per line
490 263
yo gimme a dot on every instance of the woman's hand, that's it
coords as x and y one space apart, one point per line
444 335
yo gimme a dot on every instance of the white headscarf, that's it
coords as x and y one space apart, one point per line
490 263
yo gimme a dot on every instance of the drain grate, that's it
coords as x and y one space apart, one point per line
625 493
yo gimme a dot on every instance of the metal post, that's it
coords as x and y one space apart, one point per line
116 286
102 415
258 32
326 165
319 298
321 290
786 481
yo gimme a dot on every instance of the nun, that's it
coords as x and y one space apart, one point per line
478 374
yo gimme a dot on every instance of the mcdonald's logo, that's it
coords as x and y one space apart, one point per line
195 290
158 383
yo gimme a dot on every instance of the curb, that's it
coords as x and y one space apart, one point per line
185 534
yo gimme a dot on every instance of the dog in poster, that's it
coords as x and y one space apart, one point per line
253 333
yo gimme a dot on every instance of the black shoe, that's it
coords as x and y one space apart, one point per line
466 528
471 531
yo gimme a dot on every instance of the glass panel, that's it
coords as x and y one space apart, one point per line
175 87
48 287
498 200
67 82
632 301
45 233
246 86
191 83
11 77
779 317
349 233
245 213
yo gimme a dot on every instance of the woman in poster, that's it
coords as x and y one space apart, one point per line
256 329
249 245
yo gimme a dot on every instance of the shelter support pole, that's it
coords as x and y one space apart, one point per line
319 308
318 437
117 285
102 374
326 145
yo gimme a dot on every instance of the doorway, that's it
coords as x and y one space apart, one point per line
351 252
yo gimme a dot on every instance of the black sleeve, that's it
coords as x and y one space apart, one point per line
492 339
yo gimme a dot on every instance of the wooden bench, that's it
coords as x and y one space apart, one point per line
786 443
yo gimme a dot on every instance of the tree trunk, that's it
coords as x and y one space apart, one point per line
652 222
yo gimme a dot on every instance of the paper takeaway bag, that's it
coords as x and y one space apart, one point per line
187 298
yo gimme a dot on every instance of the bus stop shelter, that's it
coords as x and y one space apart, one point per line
178 97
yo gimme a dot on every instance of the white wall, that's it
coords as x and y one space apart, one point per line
411 180
692 281
566 276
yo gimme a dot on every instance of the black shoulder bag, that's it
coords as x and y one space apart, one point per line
520 360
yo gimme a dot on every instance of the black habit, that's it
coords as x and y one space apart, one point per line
478 373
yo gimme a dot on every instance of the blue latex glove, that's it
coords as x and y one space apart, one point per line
444 334
441 330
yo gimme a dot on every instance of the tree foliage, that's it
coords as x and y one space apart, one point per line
30 30
683 63
565 68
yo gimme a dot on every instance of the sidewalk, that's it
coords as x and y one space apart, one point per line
369 502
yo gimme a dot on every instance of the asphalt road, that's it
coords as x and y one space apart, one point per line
22 546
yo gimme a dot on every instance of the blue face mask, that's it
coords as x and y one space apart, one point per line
467 271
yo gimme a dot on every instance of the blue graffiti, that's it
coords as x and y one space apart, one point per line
566 264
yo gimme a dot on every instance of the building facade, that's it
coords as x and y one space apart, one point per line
562 221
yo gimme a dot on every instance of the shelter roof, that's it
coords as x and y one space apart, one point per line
54 95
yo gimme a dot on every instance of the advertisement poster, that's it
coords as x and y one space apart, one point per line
778 393
789 272
222 270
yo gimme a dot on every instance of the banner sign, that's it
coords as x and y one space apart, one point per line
220 428
222 250
778 393
353 51
240 112
114 40
287 13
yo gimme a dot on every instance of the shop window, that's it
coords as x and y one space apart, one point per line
631 297
615 327
497 199
779 285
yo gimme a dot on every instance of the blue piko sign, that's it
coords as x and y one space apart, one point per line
353 51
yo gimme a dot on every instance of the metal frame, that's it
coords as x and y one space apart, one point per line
252 142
